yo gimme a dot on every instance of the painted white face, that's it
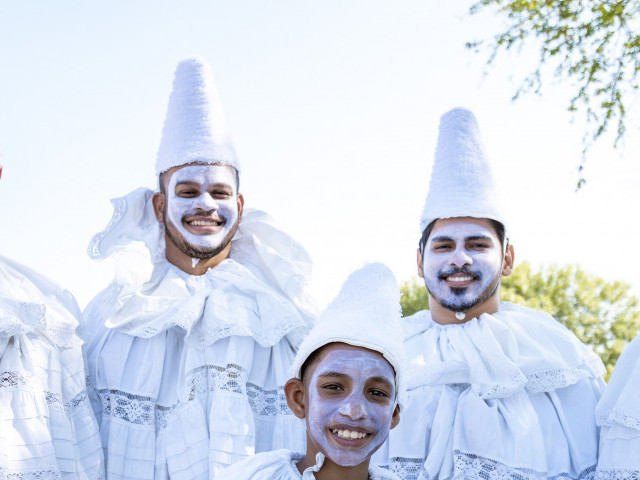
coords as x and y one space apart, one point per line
201 213
462 262
351 403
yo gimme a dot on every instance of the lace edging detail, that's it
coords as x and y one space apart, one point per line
617 475
550 380
407 468
45 474
626 419
12 381
468 465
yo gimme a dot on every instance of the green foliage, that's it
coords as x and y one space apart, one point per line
602 314
594 43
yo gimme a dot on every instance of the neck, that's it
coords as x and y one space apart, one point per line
331 470
185 263
444 316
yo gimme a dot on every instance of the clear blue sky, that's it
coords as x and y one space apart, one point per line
333 107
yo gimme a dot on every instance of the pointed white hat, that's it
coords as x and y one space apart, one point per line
462 182
366 313
195 129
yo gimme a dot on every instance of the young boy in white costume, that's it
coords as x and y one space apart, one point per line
188 365
349 376
47 427
618 415
497 390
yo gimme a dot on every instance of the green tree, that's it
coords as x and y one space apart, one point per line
596 44
602 314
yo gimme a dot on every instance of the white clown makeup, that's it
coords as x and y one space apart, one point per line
462 262
201 211
351 401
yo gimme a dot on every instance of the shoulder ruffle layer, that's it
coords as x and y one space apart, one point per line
31 303
260 291
516 348
620 403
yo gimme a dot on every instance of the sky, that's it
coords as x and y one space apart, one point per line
333 108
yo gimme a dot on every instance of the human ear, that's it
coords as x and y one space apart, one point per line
240 201
294 391
158 205
395 418
509 259
419 260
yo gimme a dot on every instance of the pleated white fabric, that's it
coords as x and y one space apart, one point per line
188 370
508 395
47 427
618 415
281 465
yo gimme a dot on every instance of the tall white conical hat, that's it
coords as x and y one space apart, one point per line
462 182
195 129
366 313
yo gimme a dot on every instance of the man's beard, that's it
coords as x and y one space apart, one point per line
457 304
195 251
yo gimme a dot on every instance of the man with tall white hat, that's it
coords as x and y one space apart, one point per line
498 390
188 365
47 427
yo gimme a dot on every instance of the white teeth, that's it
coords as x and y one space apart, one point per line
204 223
349 434
460 279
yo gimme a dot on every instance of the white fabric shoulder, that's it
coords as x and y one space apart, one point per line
274 465
516 348
47 427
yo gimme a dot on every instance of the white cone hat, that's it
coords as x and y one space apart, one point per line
195 129
462 182
366 313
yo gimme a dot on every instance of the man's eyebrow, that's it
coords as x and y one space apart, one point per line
441 238
382 380
478 237
333 374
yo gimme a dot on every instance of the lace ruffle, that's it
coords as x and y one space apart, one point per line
626 419
473 466
46 474
617 475
407 468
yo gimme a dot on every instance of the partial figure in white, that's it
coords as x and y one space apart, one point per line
618 415
497 390
47 427
188 363
348 384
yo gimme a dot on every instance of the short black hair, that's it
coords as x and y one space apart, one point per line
497 226
162 176
311 359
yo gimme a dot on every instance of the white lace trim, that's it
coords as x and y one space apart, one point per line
46 474
617 475
626 419
206 379
549 380
407 468
474 466
14 381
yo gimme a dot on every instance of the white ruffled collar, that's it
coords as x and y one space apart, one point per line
516 348
29 302
259 291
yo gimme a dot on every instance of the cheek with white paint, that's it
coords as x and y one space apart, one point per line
205 176
352 409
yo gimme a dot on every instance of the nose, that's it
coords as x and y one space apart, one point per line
460 258
206 202
354 407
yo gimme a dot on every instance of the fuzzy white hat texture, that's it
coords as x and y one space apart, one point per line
195 129
462 182
366 313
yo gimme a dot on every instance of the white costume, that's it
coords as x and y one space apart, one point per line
188 370
281 465
366 313
506 395
47 427
618 415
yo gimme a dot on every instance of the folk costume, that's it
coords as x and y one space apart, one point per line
187 371
366 313
506 395
47 426
618 415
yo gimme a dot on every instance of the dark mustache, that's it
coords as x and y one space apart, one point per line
466 270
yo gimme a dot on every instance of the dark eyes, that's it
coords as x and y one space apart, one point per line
332 386
378 393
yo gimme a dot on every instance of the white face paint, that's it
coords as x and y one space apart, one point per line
201 211
462 262
351 403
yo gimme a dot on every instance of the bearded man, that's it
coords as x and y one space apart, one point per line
498 390
188 366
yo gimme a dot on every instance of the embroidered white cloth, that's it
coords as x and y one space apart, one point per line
188 370
508 395
47 427
281 465
618 414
